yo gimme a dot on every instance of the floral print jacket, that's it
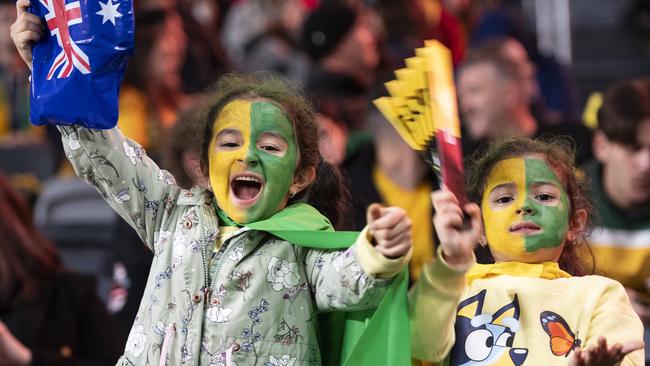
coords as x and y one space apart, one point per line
252 302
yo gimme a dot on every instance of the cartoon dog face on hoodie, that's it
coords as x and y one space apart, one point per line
486 339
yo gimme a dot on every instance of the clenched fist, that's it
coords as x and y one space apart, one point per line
390 229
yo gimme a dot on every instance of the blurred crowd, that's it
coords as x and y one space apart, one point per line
340 53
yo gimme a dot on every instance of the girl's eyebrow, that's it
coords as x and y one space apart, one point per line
228 131
503 185
272 134
545 182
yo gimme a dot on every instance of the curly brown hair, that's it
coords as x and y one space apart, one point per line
327 193
560 155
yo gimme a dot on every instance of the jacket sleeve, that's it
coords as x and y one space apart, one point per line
340 280
433 302
134 186
614 319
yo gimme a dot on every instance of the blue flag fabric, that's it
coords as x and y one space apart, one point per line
79 64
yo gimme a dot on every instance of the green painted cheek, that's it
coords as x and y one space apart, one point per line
278 174
277 170
554 219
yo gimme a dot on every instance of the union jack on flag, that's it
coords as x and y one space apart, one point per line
59 18
79 65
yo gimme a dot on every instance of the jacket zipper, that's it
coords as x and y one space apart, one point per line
206 254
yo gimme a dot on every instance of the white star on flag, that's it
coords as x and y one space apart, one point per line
109 11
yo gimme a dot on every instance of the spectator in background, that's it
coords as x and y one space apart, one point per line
556 85
466 11
205 58
513 51
408 23
152 91
385 169
334 134
48 316
344 51
621 191
494 99
262 35
342 120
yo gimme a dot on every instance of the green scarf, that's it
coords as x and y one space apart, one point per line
374 337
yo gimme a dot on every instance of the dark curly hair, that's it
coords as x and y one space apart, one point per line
559 154
326 193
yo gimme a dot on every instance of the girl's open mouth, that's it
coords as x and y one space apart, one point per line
245 188
525 228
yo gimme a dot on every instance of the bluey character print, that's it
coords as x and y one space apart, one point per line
486 339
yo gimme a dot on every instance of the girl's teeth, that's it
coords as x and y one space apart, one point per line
249 179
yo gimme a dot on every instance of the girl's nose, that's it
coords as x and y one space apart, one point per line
525 209
250 160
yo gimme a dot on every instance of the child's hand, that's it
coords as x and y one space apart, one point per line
390 229
26 30
601 355
457 244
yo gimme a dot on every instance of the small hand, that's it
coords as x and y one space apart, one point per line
26 30
12 352
456 244
390 229
602 355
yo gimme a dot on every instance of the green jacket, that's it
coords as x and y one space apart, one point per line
256 300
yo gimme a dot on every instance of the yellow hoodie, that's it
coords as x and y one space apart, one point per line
516 314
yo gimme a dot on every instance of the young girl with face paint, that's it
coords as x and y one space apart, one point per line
240 273
519 306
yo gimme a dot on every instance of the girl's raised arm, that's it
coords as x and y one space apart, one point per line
128 180
132 184
434 298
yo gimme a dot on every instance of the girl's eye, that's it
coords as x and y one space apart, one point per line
504 199
229 144
544 197
270 148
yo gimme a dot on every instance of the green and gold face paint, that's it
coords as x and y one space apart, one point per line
252 158
525 209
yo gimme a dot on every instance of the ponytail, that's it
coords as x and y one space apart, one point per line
329 195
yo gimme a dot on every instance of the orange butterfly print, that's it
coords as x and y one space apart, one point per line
562 341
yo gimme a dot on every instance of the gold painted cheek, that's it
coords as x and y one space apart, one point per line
497 230
220 164
498 222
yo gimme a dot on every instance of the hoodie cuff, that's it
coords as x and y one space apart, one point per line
376 264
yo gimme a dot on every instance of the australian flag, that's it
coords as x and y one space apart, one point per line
79 64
